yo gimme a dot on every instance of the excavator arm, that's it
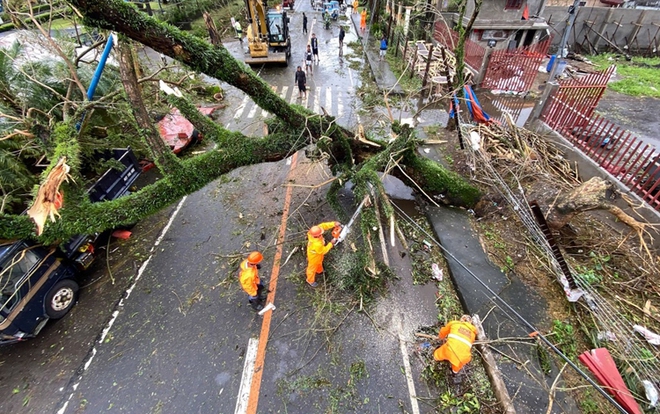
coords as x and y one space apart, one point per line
267 33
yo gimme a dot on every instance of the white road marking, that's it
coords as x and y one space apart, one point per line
328 100
317 100
241 107
305 101
340 106
92 354
246 379
409 377
253 111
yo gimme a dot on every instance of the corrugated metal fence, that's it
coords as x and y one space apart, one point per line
515 70
570 112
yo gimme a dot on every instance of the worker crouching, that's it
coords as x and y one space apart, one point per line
458 347
250 282
317 248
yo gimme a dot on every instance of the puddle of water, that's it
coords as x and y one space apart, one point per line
519 108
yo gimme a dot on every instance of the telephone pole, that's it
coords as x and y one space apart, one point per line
572 13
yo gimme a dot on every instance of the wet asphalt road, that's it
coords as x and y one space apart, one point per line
178 339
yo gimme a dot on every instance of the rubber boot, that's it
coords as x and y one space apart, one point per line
256 304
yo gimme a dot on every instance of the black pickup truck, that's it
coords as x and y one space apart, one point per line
39 283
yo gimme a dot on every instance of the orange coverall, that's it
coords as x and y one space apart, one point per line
457 350
249 278
363 19
316 250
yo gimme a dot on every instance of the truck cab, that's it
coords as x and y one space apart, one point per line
39 283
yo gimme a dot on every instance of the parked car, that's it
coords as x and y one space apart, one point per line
39 283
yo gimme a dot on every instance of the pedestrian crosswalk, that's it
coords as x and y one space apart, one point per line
335 102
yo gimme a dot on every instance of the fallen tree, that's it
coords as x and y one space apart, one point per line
293 129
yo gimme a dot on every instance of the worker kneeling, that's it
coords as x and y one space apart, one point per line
316 249
250 282
458 347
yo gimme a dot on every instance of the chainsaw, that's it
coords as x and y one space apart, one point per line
340 232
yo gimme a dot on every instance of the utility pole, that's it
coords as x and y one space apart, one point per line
572 13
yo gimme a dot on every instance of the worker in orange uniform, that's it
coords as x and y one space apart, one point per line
316 249
355 6
249 280
458 347
363 20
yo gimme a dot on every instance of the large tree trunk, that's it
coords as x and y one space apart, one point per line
199 55
234 149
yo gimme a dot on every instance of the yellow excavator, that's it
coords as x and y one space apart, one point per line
267 34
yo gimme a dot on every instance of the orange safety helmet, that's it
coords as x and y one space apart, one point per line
255 258
315 231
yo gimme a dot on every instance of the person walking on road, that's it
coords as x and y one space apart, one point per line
315 47
355 6
249 279
301 80
342 33
363 20
304 24
308 60
458 347
383 47
316 250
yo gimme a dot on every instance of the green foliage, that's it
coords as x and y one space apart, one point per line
639 77
544 358
466 403
564 334
588 405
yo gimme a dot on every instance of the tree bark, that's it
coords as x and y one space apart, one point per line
214 61
161 154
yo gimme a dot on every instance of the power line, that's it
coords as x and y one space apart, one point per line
520 317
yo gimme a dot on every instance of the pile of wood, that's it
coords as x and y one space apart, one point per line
524 153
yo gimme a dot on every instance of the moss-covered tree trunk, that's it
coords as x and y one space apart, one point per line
293 129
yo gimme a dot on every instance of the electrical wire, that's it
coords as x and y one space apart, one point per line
609 319
518 316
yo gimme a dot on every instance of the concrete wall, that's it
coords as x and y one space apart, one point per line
587 169
626 28
494 9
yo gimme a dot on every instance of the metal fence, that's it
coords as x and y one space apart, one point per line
473 52
570 112
515 70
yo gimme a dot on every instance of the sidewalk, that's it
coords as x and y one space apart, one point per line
385 78
518 362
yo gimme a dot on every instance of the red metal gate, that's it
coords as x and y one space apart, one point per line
570 112
515 70
473 52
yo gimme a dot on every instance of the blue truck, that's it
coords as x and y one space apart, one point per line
39 283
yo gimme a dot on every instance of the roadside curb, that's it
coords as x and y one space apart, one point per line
522 369
381 72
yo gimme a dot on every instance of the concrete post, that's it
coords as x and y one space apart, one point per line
398 14
550 88
388 9
572 13
406 23
484 67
